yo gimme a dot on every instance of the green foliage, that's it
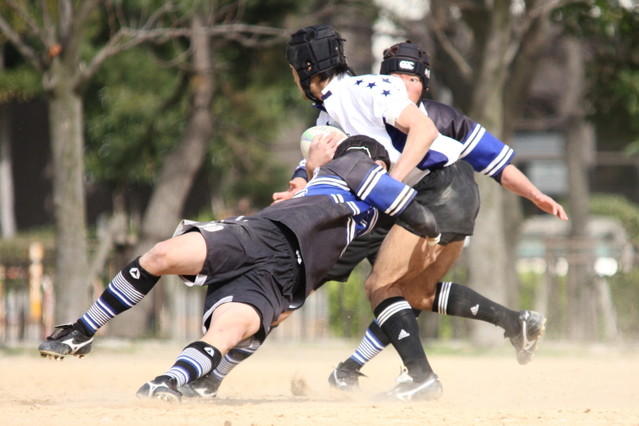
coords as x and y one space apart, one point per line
349 309
137 108
256 99
135 114
611 32
20 83
625 296
621 209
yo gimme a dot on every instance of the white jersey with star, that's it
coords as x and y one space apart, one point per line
369 105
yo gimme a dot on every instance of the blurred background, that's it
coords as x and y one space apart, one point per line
120 117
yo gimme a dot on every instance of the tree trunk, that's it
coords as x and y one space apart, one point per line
581 279
487 250
175 181
67 142
7 206
356 26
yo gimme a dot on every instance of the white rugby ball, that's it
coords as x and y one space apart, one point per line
311 132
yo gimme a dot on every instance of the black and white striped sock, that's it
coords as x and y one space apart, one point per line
196 360
233 358
126 290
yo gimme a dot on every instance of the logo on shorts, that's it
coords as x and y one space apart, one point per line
474 310
135 273
213 227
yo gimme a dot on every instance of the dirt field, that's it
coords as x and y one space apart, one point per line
563 385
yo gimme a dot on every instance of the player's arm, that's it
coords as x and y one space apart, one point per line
321 151
398 200
371 183
296 184
420 134
515 181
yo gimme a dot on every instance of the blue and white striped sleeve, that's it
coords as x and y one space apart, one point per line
385 193
486 153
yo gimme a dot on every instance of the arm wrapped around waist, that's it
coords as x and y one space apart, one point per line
420 221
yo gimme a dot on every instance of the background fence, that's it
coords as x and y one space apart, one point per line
27 301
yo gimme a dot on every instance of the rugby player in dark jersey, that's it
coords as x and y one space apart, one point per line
256 267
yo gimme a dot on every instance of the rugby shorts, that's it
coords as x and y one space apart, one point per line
249 261
452 196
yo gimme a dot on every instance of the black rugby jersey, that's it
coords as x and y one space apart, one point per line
342 201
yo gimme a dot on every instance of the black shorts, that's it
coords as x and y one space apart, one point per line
250 261
363 247
452 195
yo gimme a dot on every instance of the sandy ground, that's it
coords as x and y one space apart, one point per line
563 385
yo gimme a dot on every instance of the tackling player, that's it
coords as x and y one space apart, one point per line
467 140
255 267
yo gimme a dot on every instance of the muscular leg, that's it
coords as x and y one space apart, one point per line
384 289
182 255
393 267
427 292
419 292
230 324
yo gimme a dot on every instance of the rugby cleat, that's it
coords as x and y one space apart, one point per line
204 387
65 340
531 326
345 379
162 387
409 389
403 377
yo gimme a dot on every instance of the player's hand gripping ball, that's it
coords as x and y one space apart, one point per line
311 132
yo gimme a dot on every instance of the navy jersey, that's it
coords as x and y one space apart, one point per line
487 154
342 201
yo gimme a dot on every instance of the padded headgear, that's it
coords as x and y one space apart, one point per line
407 58
313 50
369 146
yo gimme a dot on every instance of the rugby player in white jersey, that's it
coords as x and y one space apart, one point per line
484 152
379 105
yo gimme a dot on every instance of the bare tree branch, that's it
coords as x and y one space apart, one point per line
49 28
34 28
73 40
19 43
447 48
127 38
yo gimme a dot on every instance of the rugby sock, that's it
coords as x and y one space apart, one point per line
373 342
232 359
396 318
459 300
126 290
196 360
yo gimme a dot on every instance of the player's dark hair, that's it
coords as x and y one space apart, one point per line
407 58
316 50
369 146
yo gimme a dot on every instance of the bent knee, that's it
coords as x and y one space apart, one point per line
158 260
420 294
